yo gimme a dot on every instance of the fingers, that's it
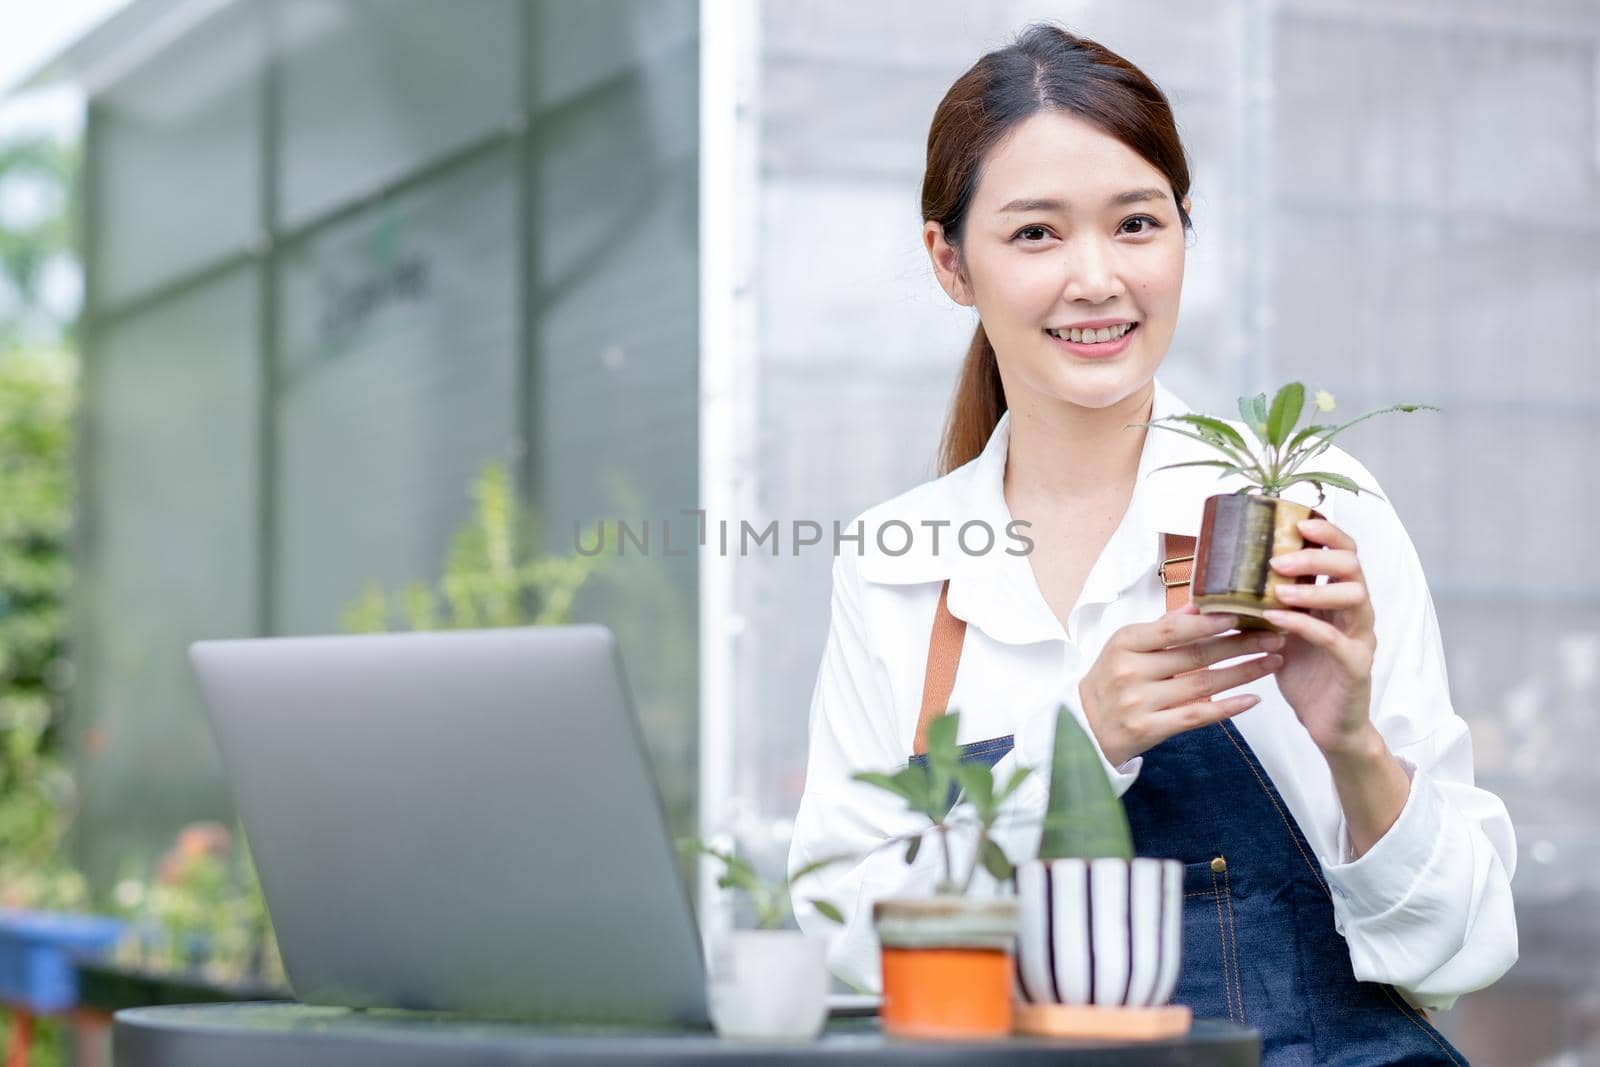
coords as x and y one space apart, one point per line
1176 627
1198 713
1208 650
1323 532
1334 596
1337 562
1354 653
1200 684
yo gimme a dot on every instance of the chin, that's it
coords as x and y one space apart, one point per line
1098 391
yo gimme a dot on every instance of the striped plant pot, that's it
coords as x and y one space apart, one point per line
1239 533
1104 932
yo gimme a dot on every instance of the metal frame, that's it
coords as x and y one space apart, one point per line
267 323
730 66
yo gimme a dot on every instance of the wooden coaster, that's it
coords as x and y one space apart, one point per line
1116 1024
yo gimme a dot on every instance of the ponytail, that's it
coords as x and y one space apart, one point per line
975 410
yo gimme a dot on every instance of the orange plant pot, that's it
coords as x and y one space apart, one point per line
945 993
947 967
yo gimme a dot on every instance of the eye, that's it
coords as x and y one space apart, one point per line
1029 229
1154 225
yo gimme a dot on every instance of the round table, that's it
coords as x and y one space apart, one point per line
255 1035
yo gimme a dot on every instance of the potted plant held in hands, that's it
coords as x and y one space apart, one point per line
770 983
1100 932
1241 531
947 959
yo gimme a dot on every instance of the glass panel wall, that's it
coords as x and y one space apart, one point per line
183 139
396 386
615 426
169 550
374 89
326 291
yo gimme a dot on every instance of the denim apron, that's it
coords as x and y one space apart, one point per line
1259 945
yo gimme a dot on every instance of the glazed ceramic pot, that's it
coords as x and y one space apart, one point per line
769 985
947 966
1101 932
1239 533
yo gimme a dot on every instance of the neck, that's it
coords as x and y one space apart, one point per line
1064 452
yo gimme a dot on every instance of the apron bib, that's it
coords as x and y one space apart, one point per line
1259 944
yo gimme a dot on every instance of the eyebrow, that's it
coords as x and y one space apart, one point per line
1132 196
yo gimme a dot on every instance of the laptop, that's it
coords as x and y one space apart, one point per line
462 821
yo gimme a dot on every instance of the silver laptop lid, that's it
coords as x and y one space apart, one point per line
461 821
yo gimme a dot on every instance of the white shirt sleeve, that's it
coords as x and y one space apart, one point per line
1427 908
1036 742
853 728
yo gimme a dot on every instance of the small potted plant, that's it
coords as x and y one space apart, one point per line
1100 932
947 959
1241 531
770 983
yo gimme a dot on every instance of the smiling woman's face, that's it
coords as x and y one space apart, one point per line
1051 240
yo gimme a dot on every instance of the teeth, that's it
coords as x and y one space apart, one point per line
1109 333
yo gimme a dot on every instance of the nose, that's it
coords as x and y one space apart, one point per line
1092 275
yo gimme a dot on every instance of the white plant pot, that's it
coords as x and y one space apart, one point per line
1105 932
769 985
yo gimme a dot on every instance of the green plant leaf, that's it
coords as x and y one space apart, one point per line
1218 427
1084 817
1018 776
816 865
942 731
977 781
1249 461
689 846
1227 468
1214 432
913 847
994 860
1253 411
944 759
1287 407
740 874
1302 457
1300 437
1381 411
1332 479
894 783
828 911
1327 439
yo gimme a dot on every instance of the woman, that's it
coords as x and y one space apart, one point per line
1343 871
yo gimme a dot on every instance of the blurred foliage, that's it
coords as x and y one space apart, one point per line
38 394
37 185
37 798
200 914
492 574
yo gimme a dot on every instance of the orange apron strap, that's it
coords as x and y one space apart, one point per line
939 678
1177 566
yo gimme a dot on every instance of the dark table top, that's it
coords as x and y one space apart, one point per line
248 1035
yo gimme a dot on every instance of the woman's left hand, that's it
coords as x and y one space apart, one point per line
1326 674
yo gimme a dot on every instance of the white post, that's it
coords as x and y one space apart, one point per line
730 63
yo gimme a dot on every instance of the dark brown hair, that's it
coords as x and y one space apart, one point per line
1045 68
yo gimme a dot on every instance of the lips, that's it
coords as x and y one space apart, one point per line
1098 350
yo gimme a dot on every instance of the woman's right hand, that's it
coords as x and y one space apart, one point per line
1139 692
